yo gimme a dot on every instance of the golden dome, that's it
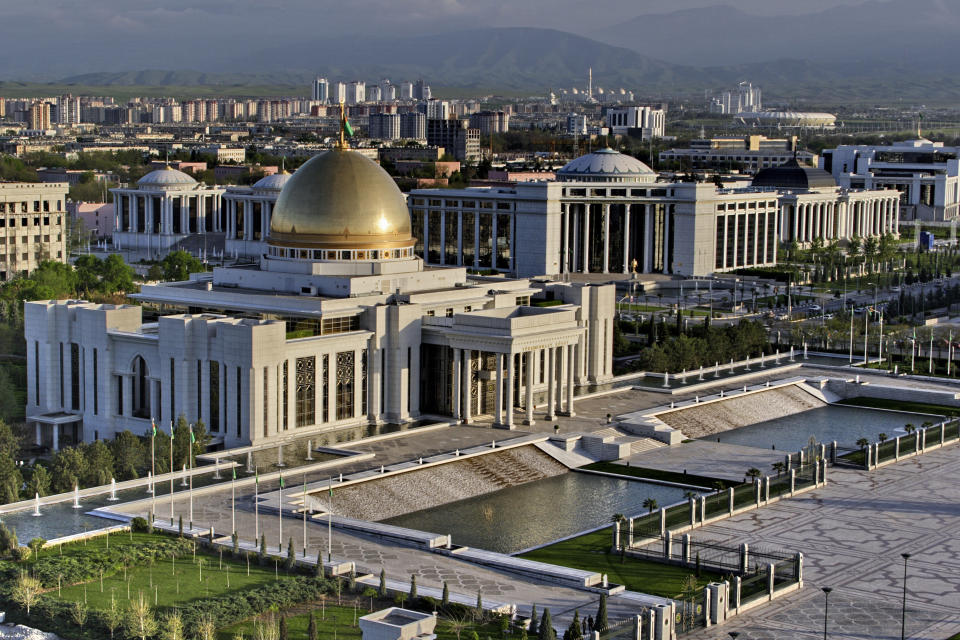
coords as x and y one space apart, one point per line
340 200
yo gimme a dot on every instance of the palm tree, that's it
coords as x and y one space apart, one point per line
753 472
882 437
863 443
650 504
457 625
779 467
909 428
718 486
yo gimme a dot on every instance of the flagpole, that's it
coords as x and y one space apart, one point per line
280 516
171 473
233 500
153 471
330 524
256 503
304 515
190 456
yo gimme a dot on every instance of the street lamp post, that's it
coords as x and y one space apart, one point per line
826 604
903 611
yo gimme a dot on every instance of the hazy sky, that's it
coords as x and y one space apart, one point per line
71 36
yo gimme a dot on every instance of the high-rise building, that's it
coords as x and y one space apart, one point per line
339 92
455 136
406 91
388 92
490 122
356 92
35 227
384 126
435 109
321 89
68 110
421 90
413 125
373 93
645 121
39 116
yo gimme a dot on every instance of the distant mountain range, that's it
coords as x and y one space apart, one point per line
879 50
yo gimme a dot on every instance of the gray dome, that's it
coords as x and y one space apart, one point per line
604 164
272 183
790 175
166 177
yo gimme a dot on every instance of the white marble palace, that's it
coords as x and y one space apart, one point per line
339 325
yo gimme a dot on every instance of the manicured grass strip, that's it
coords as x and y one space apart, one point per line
657 474
901 405
591 552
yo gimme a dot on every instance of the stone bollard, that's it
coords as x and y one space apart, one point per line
788 460
943 429
703 509
685 547
771 569
616 536
756 490
793 481
744 558
693 511
766 488
896 448
823 475
719 597
663 521
667 545
730 499
823 451
833 452
630 532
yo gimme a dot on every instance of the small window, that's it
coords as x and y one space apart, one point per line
450 312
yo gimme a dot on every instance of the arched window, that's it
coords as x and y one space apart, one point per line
141 388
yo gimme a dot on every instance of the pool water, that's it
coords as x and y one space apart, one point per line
538 512
844 424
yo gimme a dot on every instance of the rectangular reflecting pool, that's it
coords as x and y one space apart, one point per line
833 422
537 512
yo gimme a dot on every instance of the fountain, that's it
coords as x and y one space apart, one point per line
420 460
250 462
804 350
341 478
696 399
701 373
776 359
762 365
382 470
683 377
791 354
113 490
280 456
76 496
716 369
309 450
666 379
493 444
183 477
672 404
721 393
150 482
36 504
456 453
216 470
747 367
731 366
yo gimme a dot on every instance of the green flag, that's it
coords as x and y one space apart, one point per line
234 469
257 476
193 438
153 425
347 128
281 481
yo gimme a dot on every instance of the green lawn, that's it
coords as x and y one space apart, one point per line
901 405
168 582
658 474
591 552
339 621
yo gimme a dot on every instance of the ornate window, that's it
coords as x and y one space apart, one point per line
306 390
345 381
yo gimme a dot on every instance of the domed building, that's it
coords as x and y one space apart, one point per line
339 326
812 206
164 211
248 210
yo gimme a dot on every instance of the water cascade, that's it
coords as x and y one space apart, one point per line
36 504
113 490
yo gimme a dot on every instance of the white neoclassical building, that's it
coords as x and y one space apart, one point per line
812 206
340 325
248 211
167 209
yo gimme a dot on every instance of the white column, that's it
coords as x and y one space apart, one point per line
606 238
626 238
565 258
509 399
551 382
498 416
561 377
585 234
528 356
466 411
571 359
455 399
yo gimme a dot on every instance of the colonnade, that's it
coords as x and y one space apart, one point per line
142 204
577 238
237 207
839 220
516 373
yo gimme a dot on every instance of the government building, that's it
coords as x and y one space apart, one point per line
338 325
606 213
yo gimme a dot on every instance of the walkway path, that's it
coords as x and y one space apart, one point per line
852 533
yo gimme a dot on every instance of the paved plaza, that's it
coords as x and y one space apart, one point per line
851 532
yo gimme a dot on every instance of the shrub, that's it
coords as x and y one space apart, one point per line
140 525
